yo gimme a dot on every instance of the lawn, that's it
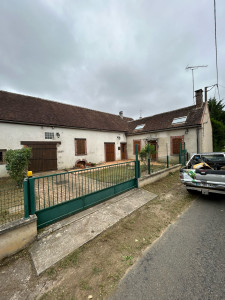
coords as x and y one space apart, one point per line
112 174
116 174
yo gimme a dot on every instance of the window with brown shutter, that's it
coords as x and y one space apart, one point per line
80 147
2 154
137 142
175 144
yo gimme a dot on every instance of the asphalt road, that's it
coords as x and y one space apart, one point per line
187 262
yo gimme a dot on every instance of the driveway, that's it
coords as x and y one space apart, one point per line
187 262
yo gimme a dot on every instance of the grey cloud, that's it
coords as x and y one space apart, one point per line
110 55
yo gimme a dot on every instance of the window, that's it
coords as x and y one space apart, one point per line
141 126
137 142
80 147
49 135
179 120
175 144
2 154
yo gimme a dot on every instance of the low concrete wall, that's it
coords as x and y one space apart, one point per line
147 179
17 235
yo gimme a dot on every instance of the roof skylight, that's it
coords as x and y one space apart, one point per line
141 126
179 120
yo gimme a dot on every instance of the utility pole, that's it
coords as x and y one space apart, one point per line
211 86
192 68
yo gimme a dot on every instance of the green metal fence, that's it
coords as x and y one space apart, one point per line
183 155
55 196
149 166
11 204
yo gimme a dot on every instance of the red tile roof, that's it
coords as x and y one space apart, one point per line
24 109
164 121
18 108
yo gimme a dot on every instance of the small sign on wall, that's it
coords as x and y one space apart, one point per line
118 148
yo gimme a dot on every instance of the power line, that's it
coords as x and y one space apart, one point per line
217 73
211 87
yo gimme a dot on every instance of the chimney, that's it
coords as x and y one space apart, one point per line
121 114
199 98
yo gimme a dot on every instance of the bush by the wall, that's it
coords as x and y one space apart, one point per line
144 151
17 164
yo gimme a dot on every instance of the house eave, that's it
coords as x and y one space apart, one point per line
60 126
164 129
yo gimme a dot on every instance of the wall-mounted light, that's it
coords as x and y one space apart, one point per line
186 131
57 134
118 137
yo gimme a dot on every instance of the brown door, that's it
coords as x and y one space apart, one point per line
136 142
123 149
154 155
109 151
44 156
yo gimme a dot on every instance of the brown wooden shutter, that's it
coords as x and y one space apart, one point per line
80 147
176 145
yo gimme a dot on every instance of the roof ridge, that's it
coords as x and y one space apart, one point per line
53 101
166 112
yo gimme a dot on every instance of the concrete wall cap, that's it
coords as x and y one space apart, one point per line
17 223
160 172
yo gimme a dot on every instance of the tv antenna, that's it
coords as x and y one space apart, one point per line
192 68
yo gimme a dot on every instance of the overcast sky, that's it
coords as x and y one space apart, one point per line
111 55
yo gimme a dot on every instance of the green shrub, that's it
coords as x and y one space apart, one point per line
144 151
17 164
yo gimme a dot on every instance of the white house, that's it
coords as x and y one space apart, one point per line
190 125
62 135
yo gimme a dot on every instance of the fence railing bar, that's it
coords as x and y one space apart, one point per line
49 203
53 191
84 170
43 192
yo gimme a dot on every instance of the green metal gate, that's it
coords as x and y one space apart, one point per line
56 196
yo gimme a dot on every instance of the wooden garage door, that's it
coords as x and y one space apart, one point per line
44 156
109 151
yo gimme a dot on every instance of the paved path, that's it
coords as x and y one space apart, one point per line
71 233
187 262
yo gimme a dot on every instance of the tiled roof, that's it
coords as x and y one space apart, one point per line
18 108
164 121
24 109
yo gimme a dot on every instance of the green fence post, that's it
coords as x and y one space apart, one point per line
167 161
26 198
137 165
180 154
32 196
149 166
149 160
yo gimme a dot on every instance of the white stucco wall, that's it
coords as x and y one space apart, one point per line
163 138
12 134
206 132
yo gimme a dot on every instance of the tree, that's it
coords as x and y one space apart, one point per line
144 151
216 110
218 135
17 164
217 116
